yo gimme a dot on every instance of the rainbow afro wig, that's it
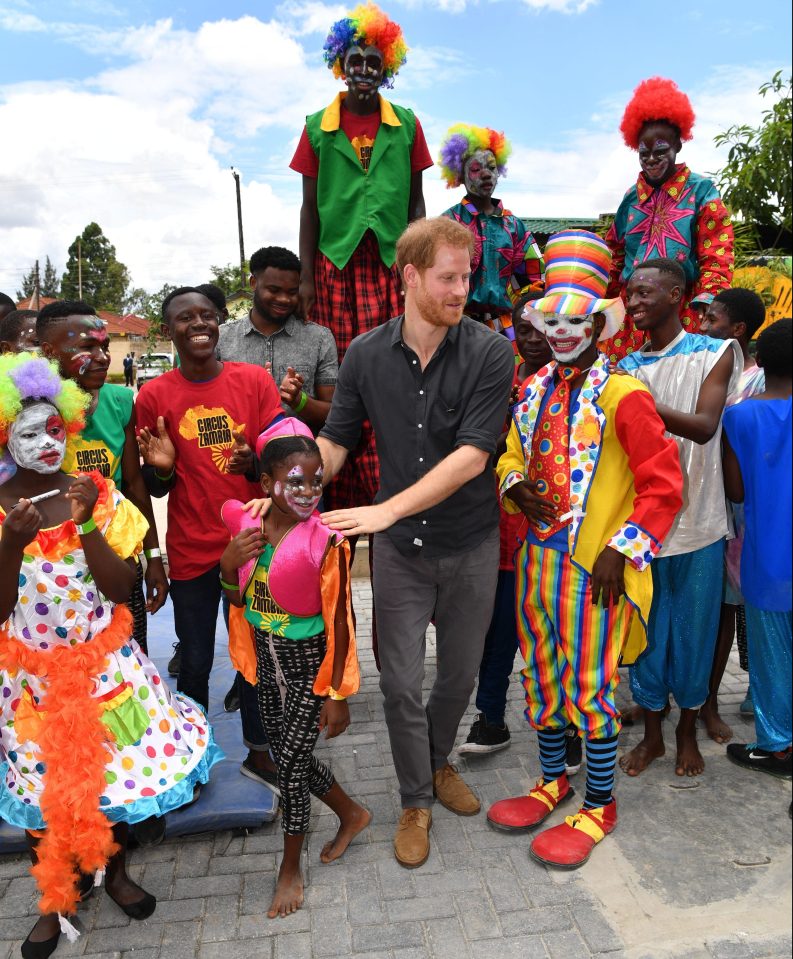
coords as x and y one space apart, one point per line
461 141
28 376
366 26
656 100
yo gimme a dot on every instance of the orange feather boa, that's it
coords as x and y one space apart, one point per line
73 747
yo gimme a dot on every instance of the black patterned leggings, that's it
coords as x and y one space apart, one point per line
290 713
137 606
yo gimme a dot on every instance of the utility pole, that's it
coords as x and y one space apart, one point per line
79 269
37 287
243 278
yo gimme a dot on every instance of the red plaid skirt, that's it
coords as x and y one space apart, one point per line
349 302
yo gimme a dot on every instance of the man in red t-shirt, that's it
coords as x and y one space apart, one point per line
197 426
361 160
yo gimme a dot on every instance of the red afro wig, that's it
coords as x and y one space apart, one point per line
659 100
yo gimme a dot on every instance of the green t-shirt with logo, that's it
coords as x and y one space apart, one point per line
101 444
263 613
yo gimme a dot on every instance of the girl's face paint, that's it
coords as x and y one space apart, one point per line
568 336
37 439
297 484
480 173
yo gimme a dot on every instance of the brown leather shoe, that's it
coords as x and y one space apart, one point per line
452 792
412 839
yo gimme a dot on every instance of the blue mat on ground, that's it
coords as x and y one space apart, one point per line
229 800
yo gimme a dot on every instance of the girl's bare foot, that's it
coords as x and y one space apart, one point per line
640 757
716 728
689 760
349 827
288 896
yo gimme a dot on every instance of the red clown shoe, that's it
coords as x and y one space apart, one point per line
526 812
569 845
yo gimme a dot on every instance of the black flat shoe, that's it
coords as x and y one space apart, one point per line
40 950
141 909
150 832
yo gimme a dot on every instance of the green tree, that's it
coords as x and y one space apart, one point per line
149 306
228 277
49 283
104 278
756 181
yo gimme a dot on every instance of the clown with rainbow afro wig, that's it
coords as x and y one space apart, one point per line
366 26
361 159
26 378
670 212
461 142
506 263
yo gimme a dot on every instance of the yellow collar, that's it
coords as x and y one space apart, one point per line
332 115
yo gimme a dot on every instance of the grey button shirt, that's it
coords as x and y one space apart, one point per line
420 417
308 348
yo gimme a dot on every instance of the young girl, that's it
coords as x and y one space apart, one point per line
93 740
290 575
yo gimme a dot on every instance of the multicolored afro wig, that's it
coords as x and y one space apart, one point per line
27 376
366 26
656 100
462 141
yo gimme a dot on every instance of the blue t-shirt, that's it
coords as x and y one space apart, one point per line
759 432
559 540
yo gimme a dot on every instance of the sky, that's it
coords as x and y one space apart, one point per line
132 114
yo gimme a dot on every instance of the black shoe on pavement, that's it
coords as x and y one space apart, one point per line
150 832
572 750
485 738
752 757
263 776
175 662
231 701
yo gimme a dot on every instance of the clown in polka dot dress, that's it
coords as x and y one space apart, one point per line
159 742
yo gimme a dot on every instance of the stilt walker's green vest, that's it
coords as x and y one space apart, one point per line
351 200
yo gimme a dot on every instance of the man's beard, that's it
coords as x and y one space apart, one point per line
262 311
433 312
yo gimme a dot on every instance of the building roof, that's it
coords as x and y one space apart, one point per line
553 224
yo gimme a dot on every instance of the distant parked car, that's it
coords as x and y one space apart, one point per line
151 365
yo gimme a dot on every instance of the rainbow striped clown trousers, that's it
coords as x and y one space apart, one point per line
570 647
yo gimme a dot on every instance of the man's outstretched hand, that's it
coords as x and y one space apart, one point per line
360 520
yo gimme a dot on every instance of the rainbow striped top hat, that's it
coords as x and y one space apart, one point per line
577 265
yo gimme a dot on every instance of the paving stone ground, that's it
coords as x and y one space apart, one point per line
700 872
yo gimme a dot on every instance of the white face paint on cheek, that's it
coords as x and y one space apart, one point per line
37 439
277 488
569 340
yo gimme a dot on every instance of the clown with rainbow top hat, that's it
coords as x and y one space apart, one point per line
670 212
361 159
589 465
507 262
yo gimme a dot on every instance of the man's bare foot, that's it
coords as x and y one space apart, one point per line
288 897
689 760
349 827
716 728
640 757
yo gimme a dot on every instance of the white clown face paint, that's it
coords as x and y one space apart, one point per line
568 336
37 439
480 173
363 71
302 490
